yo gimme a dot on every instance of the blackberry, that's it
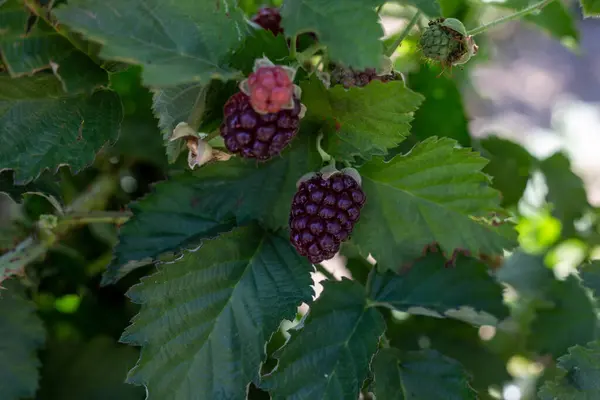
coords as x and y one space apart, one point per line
323 214
269 19
348 77
254 135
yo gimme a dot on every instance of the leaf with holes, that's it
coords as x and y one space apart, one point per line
192 206
206 318
22 334
424 374
43 128
428 195
465 291
176 42
358 122
325 363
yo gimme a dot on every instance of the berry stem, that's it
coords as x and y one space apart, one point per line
326 157
391 49
534 7
293 49
311 51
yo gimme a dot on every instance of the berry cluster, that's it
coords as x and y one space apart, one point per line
349 77
254 135
323 215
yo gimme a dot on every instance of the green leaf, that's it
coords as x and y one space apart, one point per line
194 206
442 113
42 128
260 44
569 320
566 191
431 8
92 370
42 47
428 195
590 276
424 374
194 103
591 8
329 356
359 122
12 222
527 274
555 18
510 166
206 318
349 28
176 42
580 375
466 291
22 334
454 339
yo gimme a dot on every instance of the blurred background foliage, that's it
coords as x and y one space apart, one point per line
559 233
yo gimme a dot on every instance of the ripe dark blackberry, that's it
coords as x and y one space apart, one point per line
323 214
254 135
269 18
348 77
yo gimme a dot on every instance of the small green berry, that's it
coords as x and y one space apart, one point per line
445 40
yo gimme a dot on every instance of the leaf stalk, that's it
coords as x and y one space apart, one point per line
392 48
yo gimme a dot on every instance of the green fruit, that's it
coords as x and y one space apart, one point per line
445 40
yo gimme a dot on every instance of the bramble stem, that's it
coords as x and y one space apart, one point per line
95 217
320 268
311 51
390 50
518 14
326 157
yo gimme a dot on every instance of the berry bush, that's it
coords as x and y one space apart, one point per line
222 200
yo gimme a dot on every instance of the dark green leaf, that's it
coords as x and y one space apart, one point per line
91 371
359 122
442 113
328 355
510 166
555 18
431 8
42 128
417 375
349 28
193 206
527 274
12 222
176 42
591 8
454 339
22 334
194 103
466 291
428 195
590 276
566 192
570 320
580 375
42 47
261 44
206 318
